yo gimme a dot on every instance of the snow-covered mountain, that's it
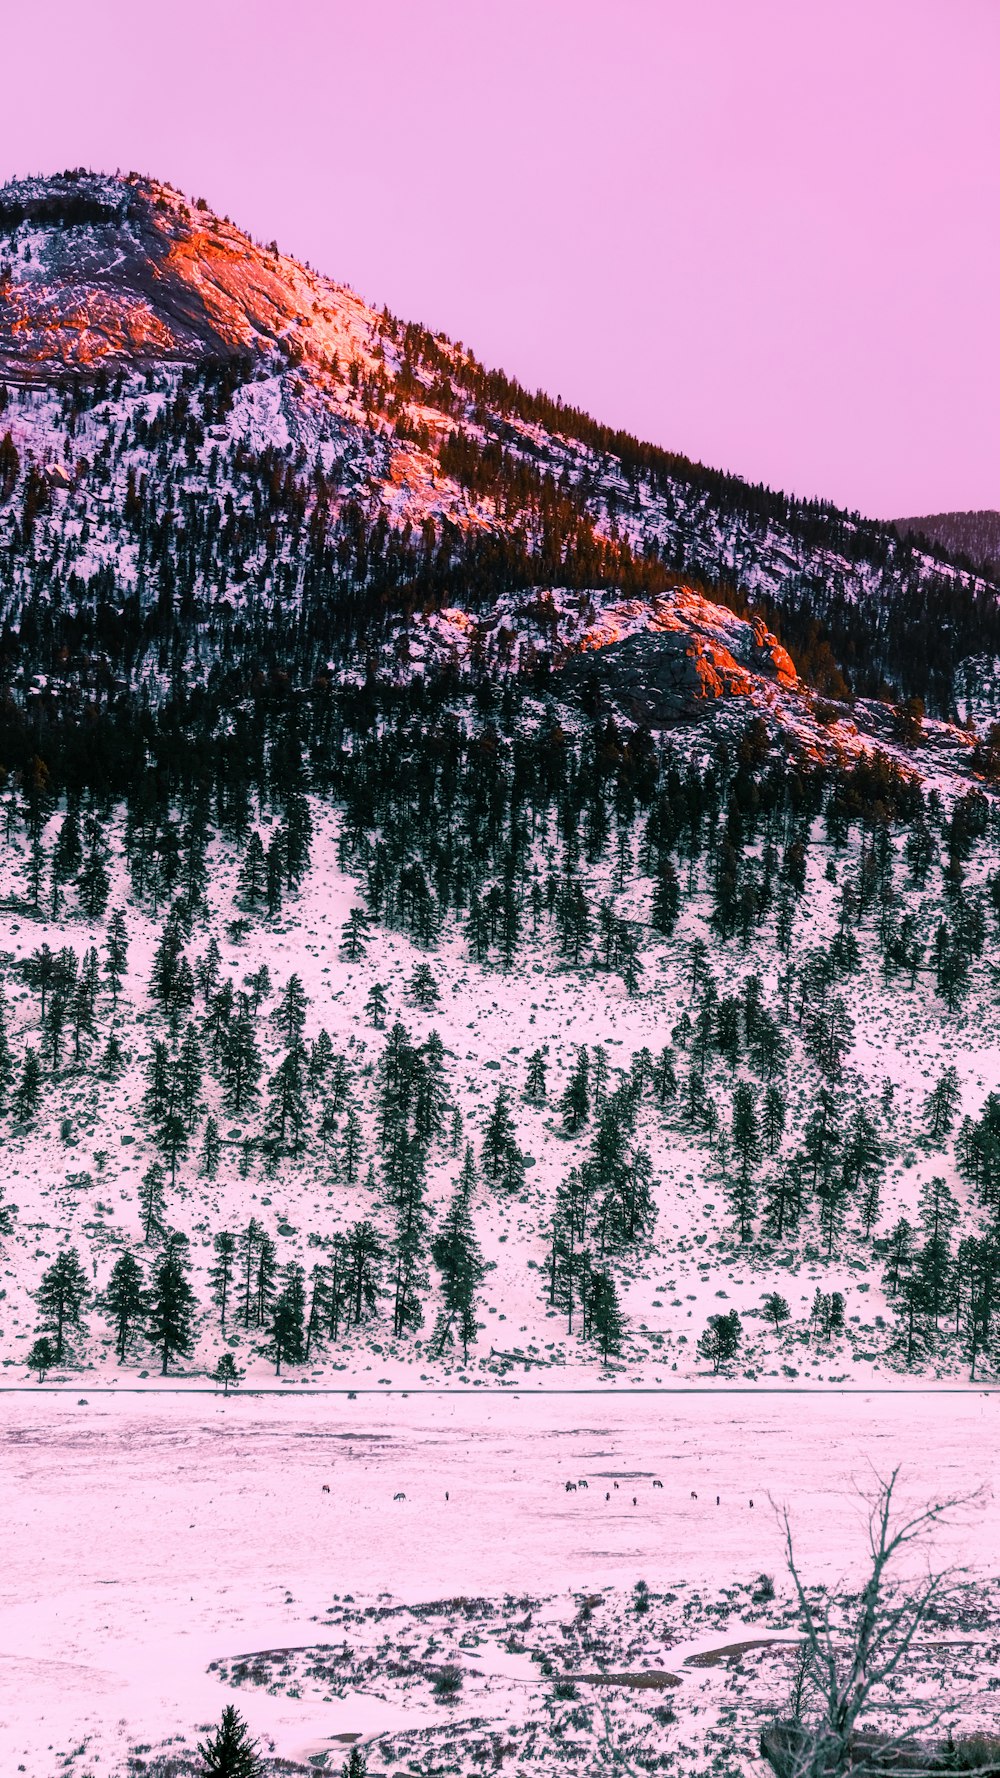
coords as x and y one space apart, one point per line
475 888
201 432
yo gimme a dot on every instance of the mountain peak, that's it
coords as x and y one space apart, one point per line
99 269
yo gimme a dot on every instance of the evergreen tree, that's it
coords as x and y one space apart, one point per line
575 1101
354 936
666 900
6 1059
605 1322
290 1014
458 1258
124 1302
61 1297
171 1306
28 1093
229 1752
251 886
221 1274
375 1006
152 1201
746 1143
534 1090
116 954
265 1278
941 1105
423 989
210 1150
776 1309
501 1158
227 1373
249 1245
288 1318
363 1257
720 1342
41 1357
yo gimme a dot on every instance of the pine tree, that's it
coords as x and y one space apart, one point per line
363 1257
290 1014
249 1244
375 1006
423 989
152 1201
124 1302
211 1150
575 1101
319 1308
171 1306
746 1143
229 1751
720 1342
286 1092
288 1318
113 1059
501 1156
605 1322
61 1297
666 900
187 1077
354 935
458 1258
227 1373
116 954
6 1060
221 1274
773 1120
265 1277
251 886
776 1309
41 1357
239 1063
941 1105
94 883
534 1090
28 1093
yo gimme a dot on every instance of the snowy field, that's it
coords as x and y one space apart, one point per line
144 1538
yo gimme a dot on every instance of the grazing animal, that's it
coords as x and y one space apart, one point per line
447 1495
607 1496
399 1496
635 1500
657 1484
326 1487
693 1495
751 1503
571 1487
616 1487
717 1502
584 1485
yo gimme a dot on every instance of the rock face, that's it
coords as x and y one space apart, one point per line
124 272
661 659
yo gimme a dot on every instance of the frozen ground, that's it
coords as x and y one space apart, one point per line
144 1538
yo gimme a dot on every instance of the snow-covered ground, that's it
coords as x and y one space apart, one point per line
142 1539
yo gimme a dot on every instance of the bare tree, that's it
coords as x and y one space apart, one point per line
853 1650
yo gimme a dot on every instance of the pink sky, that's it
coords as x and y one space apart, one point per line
763 232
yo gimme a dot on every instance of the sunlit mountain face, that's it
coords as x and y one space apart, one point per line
210 452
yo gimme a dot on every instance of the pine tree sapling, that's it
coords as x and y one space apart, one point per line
229 1752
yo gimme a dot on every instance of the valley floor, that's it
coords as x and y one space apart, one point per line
142 1539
